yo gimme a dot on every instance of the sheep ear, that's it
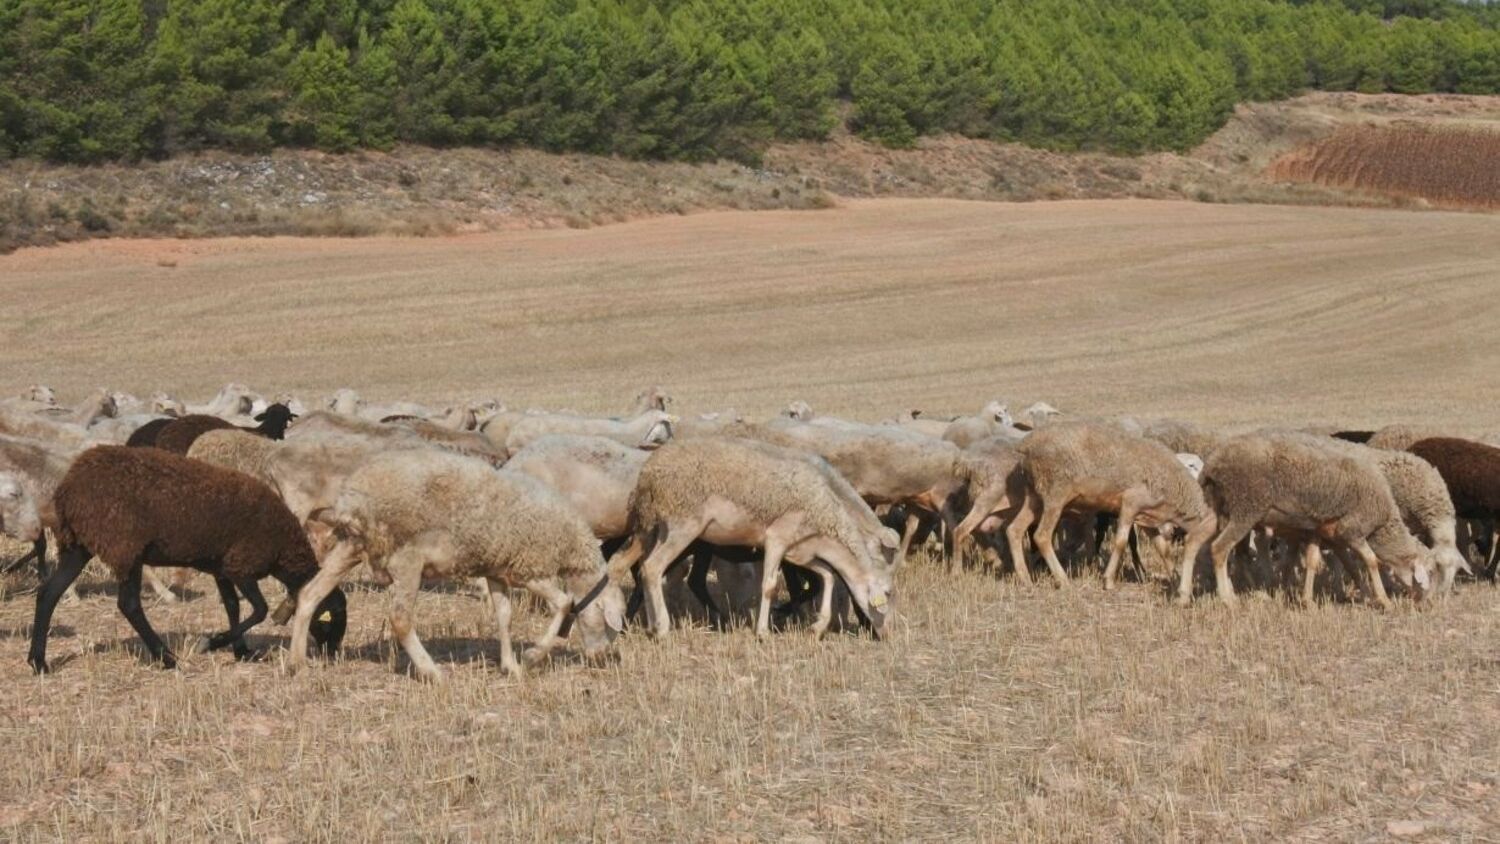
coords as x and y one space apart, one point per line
260 417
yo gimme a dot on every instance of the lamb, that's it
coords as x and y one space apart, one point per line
139 506
1096 468
731 492
1298 484
993 420
414 513
645 430
1471 471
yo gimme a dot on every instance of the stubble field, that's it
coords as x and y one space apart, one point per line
995 711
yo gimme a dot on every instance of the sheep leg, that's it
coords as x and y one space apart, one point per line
1045 528
703 558
129 602
1124 534
1372 569
231 600
913 521
158 585
1219 549
500 603
235 635
70 564
338 562
405 567
825 601
770 568
1490 565
1015 537
1265 564
561 603
1312 560
670 546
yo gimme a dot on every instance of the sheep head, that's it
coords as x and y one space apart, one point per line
19 518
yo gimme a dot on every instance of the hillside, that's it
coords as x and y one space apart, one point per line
416 190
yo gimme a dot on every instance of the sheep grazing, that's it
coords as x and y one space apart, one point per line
1092 468
1423 499
731 492
1036 415
414 513
135 507
1301 487
648 429
233 401
992 420
1471 471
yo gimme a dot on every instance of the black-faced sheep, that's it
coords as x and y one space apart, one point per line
140 507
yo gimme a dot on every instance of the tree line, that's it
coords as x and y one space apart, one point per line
94 80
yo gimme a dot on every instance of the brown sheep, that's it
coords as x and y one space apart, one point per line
135 507
1472 472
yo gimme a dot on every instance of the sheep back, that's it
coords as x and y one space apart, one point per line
1471 471
137 505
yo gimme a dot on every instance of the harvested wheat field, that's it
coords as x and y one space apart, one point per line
1450 166
994 710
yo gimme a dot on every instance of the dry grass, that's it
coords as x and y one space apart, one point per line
995 711
1447 166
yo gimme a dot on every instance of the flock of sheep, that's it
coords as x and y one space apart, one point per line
571 507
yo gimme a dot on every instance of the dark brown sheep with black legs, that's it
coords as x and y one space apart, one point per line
1472 472
134 507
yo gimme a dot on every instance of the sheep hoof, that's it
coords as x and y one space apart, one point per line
39 666
168 661
533 657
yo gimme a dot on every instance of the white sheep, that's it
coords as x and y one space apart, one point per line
410 514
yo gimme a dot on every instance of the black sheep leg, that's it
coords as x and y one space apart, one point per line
703 556
130 606
70 564
231 601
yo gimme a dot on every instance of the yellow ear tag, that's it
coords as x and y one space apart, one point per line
326 617
877 601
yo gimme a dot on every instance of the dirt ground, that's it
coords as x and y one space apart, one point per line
994 711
